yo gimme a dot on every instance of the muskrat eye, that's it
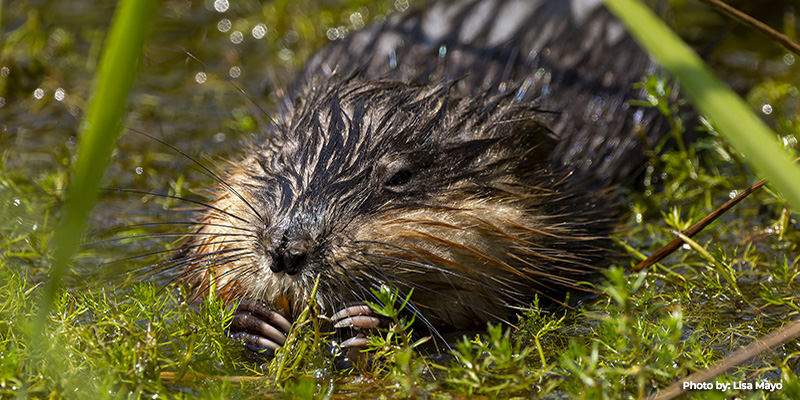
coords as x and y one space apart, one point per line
400 178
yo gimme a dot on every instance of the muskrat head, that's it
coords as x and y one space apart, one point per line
375 182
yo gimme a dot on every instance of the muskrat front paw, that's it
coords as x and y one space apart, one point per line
259 327
359 318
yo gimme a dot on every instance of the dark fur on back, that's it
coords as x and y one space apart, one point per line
475 170
570 58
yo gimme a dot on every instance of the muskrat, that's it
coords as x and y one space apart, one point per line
468 152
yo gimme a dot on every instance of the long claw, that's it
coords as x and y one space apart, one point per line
255 342
355 341
352 311
252 324
359 322
265 313
354 323
259 327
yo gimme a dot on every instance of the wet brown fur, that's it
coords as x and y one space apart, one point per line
472 250
464 195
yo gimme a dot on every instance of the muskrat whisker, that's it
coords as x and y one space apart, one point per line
537 231
207 172
424 263
227 261
416 252
513 295
232 83
206 284
577 216
187 223
490 227
528 190
167 234
445 272
151 272
561 280
512 298
188 260
416 311
205 288
195 260
425 222
522 251
167 196
364 291
183 248
505 266
411 284
232 275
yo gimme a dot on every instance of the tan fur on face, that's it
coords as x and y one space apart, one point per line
223 258
219 246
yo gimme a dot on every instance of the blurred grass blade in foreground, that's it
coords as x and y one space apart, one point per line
729 113
103 123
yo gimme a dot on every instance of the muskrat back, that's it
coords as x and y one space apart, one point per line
570 59
466 152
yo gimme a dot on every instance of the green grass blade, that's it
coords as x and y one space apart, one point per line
731 115
102 125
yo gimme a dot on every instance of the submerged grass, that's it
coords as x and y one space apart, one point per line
646 331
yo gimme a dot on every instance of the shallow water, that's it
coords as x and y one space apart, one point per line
188 95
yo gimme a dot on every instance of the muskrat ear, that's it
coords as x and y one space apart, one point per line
397 173
528 142
534 138
466 152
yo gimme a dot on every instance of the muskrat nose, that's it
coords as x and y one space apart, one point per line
287 260
292 262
